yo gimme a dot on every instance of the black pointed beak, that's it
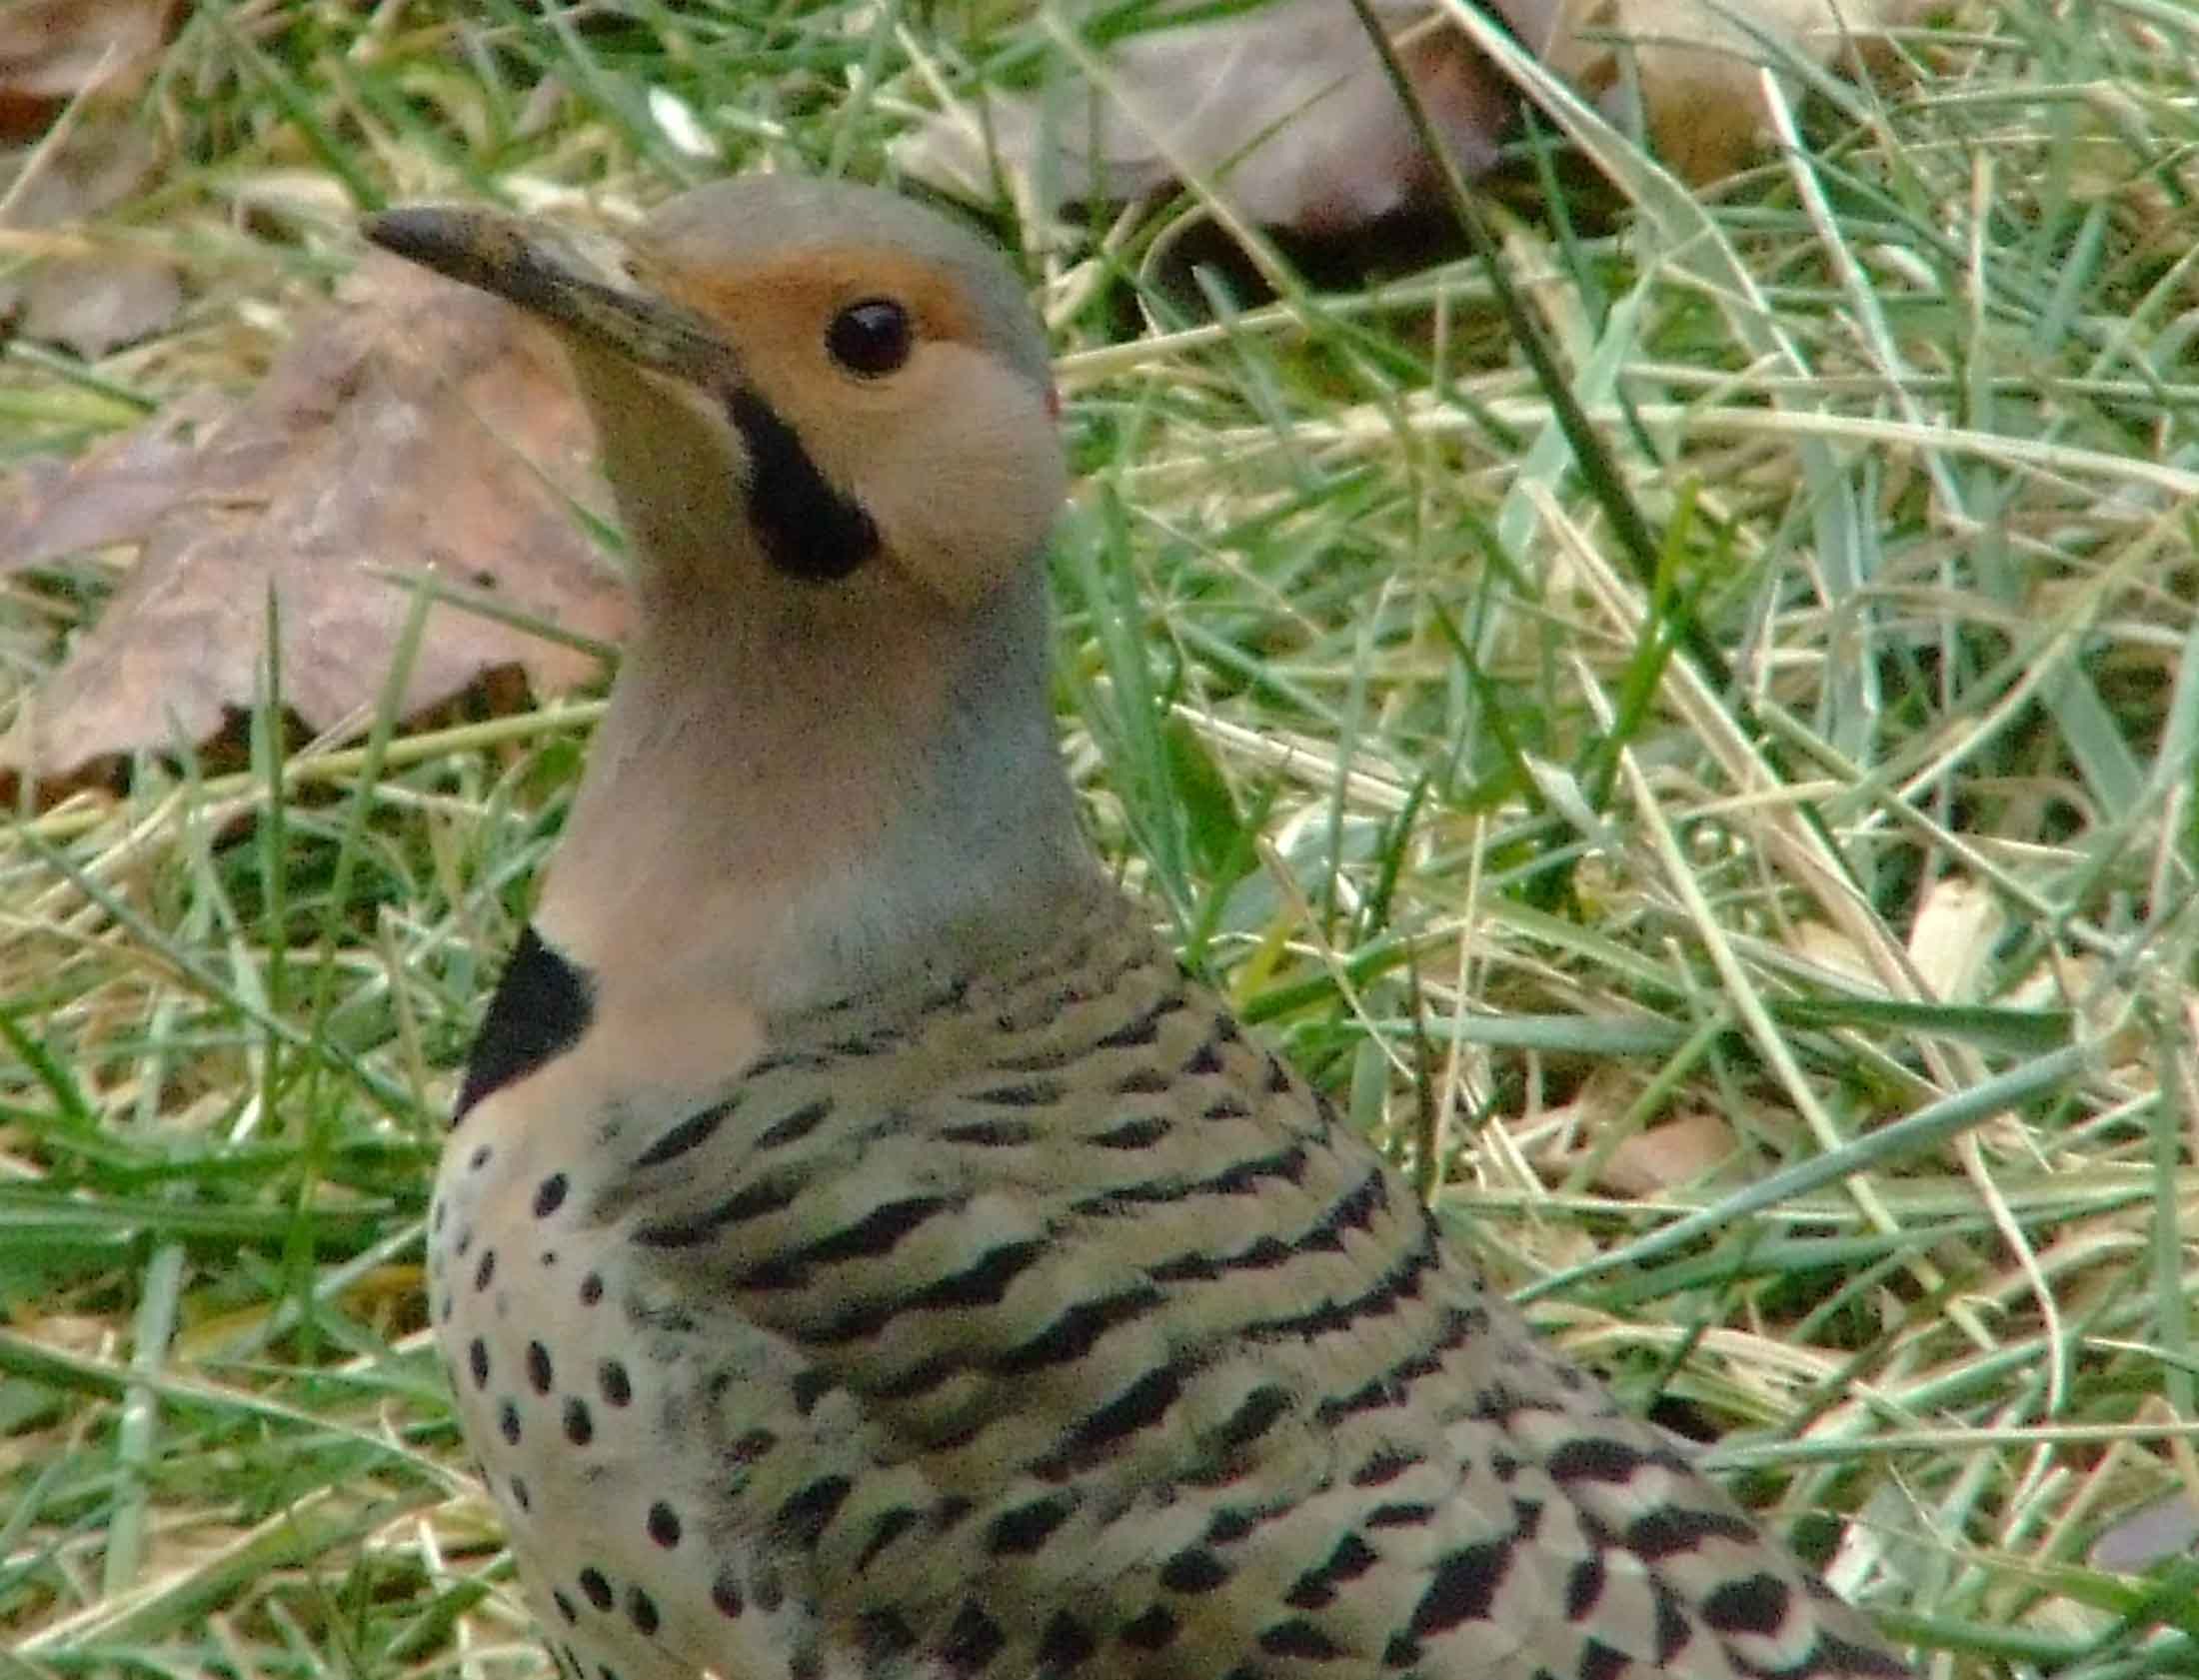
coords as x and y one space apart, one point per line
581 288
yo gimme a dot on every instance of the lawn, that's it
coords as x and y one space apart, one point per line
1747 878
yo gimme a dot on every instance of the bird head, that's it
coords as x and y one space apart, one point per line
808 381
828 415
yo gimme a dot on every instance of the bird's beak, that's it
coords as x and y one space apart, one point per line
584 288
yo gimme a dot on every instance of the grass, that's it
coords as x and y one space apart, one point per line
1850 828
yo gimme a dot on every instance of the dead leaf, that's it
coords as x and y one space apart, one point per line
1951 941
1697 64
52 50
88 288
1820 944
1286 109
2147 1537
415 427
1667 1156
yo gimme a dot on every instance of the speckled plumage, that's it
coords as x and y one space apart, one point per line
847 1270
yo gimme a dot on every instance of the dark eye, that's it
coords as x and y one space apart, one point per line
870 338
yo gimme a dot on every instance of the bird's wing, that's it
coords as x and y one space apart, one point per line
1157 1364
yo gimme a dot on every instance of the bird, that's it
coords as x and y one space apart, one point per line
860 1249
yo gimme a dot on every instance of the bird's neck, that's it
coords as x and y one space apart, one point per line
792 808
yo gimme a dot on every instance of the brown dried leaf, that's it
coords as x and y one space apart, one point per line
2148 1537
51 50
1286 109
1697 63
417 426
89 291
1664 1158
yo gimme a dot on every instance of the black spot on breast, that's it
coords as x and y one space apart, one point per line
1317 1588
1027 1527
1757 1604
770 1592
1065 1643
1300 1639
1669 1530
1144 1028
539 1373
596 1587
1153 1630
973 1640
809 1510
580 1427
809 528
1837 1656
565 1605
890 1526
752 1201
617 1386
1033 1093
1192 1570
541 1007
991 1135
1584 1586
664 1525
690 1133
550 1195
1076 1332
1599 1661
724 1595
477 1361
882 1636
948 1514
873 1235
1594 1459
1205 1059
1132 1135
507 1422
1383 1467
796 1125
1462 1588
1674 1631
1139 1406
590 1289
641 1609
1406 1514
1230 1526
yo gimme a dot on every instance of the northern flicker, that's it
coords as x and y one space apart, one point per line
859 1249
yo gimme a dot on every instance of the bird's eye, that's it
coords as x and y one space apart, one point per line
870 338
